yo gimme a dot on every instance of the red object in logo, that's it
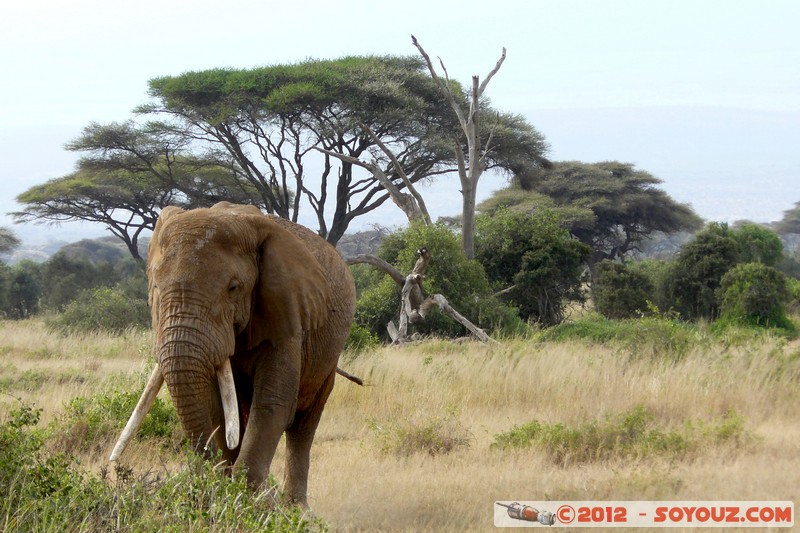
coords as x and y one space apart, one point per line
565 514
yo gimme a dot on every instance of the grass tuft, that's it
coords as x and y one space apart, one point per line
632 434
432 435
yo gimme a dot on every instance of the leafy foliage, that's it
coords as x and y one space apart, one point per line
790 223
534 254
361 339
64 278
755 293
462 281
696 275
626 204
632 434
698 269
650 336
45 491
21 290
758 244
128 174
286 111
103 309
8 240
620 292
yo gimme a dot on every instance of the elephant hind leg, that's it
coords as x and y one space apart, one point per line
299 437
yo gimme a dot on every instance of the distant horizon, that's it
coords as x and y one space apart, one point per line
754 151
703 95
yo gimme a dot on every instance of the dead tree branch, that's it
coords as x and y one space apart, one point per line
379 263
414 307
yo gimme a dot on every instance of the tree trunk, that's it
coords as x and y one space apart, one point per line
468 221
469 171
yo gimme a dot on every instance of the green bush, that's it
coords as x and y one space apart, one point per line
619 292
657 273
653 336
45 491
696 273
754 293
793 286
103 309
631 434
89 423
758 244
533 253
30 478
361 340
462 281
23 289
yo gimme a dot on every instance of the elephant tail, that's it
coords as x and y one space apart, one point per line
351 377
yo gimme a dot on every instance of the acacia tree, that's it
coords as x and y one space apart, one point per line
248 136
129 173
340 115
790 223
271 119
8 240
621 206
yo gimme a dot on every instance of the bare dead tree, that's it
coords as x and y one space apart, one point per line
471 168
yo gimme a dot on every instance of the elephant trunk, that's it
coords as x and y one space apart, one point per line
189 373
190 376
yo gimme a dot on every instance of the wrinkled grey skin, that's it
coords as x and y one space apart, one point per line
275 298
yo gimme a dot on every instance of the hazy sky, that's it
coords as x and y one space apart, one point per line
68 62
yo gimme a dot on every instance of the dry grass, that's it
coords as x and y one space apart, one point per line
372 465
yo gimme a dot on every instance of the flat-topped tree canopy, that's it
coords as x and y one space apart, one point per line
272 119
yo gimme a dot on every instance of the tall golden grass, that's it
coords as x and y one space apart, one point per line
411 450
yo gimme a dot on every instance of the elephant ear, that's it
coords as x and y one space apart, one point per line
153 255
292 294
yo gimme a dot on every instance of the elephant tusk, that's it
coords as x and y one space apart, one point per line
135 421
230 407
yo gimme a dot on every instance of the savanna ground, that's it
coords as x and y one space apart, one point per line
651 410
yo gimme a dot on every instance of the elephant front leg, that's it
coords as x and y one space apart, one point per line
275 387
299 437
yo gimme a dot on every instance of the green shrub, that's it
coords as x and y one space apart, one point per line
103 309
462 281
417 433
619 292
758 244
533 253
653 336
45 491
100 418
697 271
361 340
793 286
756 294
632 434
22 290
657 273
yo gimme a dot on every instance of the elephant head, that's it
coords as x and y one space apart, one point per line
250 313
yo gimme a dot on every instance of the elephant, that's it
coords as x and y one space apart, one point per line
250 314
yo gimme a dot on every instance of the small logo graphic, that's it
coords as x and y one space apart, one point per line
527 513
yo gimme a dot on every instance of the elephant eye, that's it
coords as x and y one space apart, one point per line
234 284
